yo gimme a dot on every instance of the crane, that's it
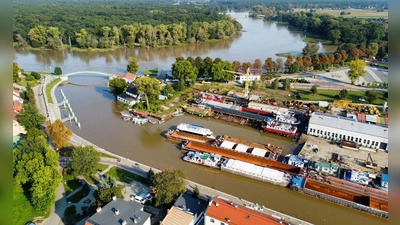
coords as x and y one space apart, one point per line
246 84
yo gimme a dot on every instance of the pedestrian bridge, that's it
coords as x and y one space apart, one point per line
88 73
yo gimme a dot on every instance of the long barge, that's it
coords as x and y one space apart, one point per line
342 196
205 159
242 156
198 109
179 136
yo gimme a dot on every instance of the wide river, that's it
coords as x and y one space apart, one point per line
101 123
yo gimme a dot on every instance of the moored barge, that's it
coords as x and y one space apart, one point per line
179 136
195 129
198 109
204 159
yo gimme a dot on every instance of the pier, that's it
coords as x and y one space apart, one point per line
71 116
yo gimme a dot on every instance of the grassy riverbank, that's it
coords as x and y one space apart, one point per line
48 89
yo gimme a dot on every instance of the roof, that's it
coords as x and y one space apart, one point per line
128 76
347 124
227 144
259 152
177 216
237 214
187 202
128 211
241 148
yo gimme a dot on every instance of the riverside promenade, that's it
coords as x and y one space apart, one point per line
53 112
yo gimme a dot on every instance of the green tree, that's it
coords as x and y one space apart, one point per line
30 95
84 160
117 86
236 65
36 75
149 87
58 133
334 36
310 49
356 69
185 73
105 195
208 62
30 117
220 71
199 64
386 94
150 177
57 71
168 184
373 49
314 89
371 96
196 192
133 65
167 90
343 94
286 84
247 65
16 71
275 84
37 36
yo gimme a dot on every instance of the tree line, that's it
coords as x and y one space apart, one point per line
106 25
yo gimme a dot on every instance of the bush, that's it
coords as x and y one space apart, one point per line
30 78
57 71
36 75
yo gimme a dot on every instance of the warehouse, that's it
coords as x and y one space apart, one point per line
342 128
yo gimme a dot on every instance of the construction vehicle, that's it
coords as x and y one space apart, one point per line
370 163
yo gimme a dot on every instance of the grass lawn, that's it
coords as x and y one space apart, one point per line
101 154
79 195
70 183
49 87
92 179
151 73
124 176
24 83
353 13
329 95
102 167
23 211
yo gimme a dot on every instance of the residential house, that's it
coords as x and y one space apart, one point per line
128 77
223 212
130 96
120 212
240 75
186 211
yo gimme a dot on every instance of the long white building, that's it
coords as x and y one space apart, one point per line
342 128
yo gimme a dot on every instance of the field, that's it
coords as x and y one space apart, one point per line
48 89
329 95
353 13
124 176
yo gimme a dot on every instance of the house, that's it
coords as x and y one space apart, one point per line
128 77
120 212
223 212
130 97
186 211
341 128
240 75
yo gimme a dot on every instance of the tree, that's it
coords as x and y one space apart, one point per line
373 49
185 73
167 90
30 117
57 71
275 84
279 63
117 86
310 49
16 72
208 62
381 52
247 65
257 64
386 94
343 94
58 133
150 87
196 192
307 61
168 184
84 160
356 69
105 195
314 89
199 64
30 95
36 75
334 36
269 64
371 96
220 71
133 65
289 61
236 65
150 177
286 84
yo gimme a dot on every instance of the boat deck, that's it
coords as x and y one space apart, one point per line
183 136
242 156
200 111
277 151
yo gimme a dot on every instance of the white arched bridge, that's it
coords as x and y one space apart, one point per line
88 73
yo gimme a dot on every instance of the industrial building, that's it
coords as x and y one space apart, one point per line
341 128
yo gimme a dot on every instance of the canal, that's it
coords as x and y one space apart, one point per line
101 124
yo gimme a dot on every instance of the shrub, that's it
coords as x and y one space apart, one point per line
36 75
30 78
57 71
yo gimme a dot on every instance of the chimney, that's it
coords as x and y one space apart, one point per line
123 222
228 220
114 197
236 206
217 204
116 212
98 209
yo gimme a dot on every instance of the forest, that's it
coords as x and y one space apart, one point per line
100 24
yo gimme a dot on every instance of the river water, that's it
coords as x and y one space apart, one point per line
101 123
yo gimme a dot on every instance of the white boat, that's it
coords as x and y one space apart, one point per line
195 129
136 120
287 117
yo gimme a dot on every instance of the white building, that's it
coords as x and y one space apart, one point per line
240 76
130 97
342 128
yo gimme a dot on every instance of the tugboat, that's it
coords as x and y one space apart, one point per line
275 126
287 117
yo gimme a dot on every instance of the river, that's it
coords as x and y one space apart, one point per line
101 123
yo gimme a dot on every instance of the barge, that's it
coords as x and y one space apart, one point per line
179 136
284 129
195 129
204 159
198 109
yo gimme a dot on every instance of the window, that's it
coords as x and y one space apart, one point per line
368 142
351 138
364 141
329 133
373 143
212 220
356 139
222 223
376 144
340 136
336 135
325 133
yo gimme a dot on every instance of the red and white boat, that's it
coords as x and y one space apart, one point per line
275 126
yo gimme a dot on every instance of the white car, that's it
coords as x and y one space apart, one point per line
143 198
361 99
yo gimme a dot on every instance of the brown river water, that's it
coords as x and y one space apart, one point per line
101 123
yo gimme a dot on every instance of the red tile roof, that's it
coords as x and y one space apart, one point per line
17 106
128 76
238 215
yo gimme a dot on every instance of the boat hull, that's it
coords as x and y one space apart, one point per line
280 132
257 111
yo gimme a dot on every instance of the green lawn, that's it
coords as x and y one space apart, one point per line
24 83
151 73
49 87
329 95
101 154
70 183
124 176
79 195
102 167
92 179
23 211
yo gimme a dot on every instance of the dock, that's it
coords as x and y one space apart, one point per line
242 156
179 136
